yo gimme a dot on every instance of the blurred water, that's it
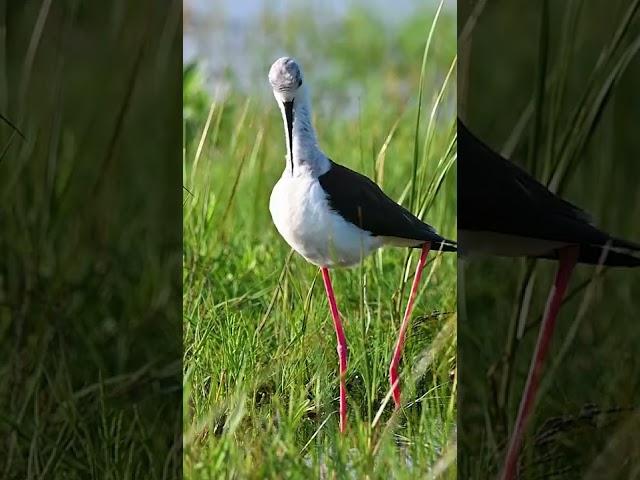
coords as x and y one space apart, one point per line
221 34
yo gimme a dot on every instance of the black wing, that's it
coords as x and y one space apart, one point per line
361 202
495 195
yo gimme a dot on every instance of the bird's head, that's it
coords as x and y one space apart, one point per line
285 77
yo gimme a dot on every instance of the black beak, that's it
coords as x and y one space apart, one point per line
288 112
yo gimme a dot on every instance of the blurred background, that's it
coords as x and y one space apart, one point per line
233 41
260 382
553 86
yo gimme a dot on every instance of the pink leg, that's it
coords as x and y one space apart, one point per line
568 257
397 352
342 346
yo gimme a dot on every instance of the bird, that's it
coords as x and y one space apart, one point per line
504 211
333 216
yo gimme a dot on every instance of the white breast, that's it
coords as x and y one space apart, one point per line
302 215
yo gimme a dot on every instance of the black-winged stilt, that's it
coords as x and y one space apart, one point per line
503 211
333 216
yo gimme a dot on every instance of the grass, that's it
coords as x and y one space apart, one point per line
260 362
89 241
569 97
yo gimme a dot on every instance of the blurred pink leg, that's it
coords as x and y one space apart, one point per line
397 352
568 257
342 347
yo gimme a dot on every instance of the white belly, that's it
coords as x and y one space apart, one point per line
301 213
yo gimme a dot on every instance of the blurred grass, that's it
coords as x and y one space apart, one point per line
90 240
567 111
260 365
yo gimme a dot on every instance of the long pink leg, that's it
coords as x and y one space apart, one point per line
342 346
567 258
397 352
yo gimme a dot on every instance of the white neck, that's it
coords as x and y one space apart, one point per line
306 155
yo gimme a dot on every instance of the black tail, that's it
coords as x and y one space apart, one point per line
619 253
442 245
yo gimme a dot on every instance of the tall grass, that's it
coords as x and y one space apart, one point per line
564 136
90 240
260 363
